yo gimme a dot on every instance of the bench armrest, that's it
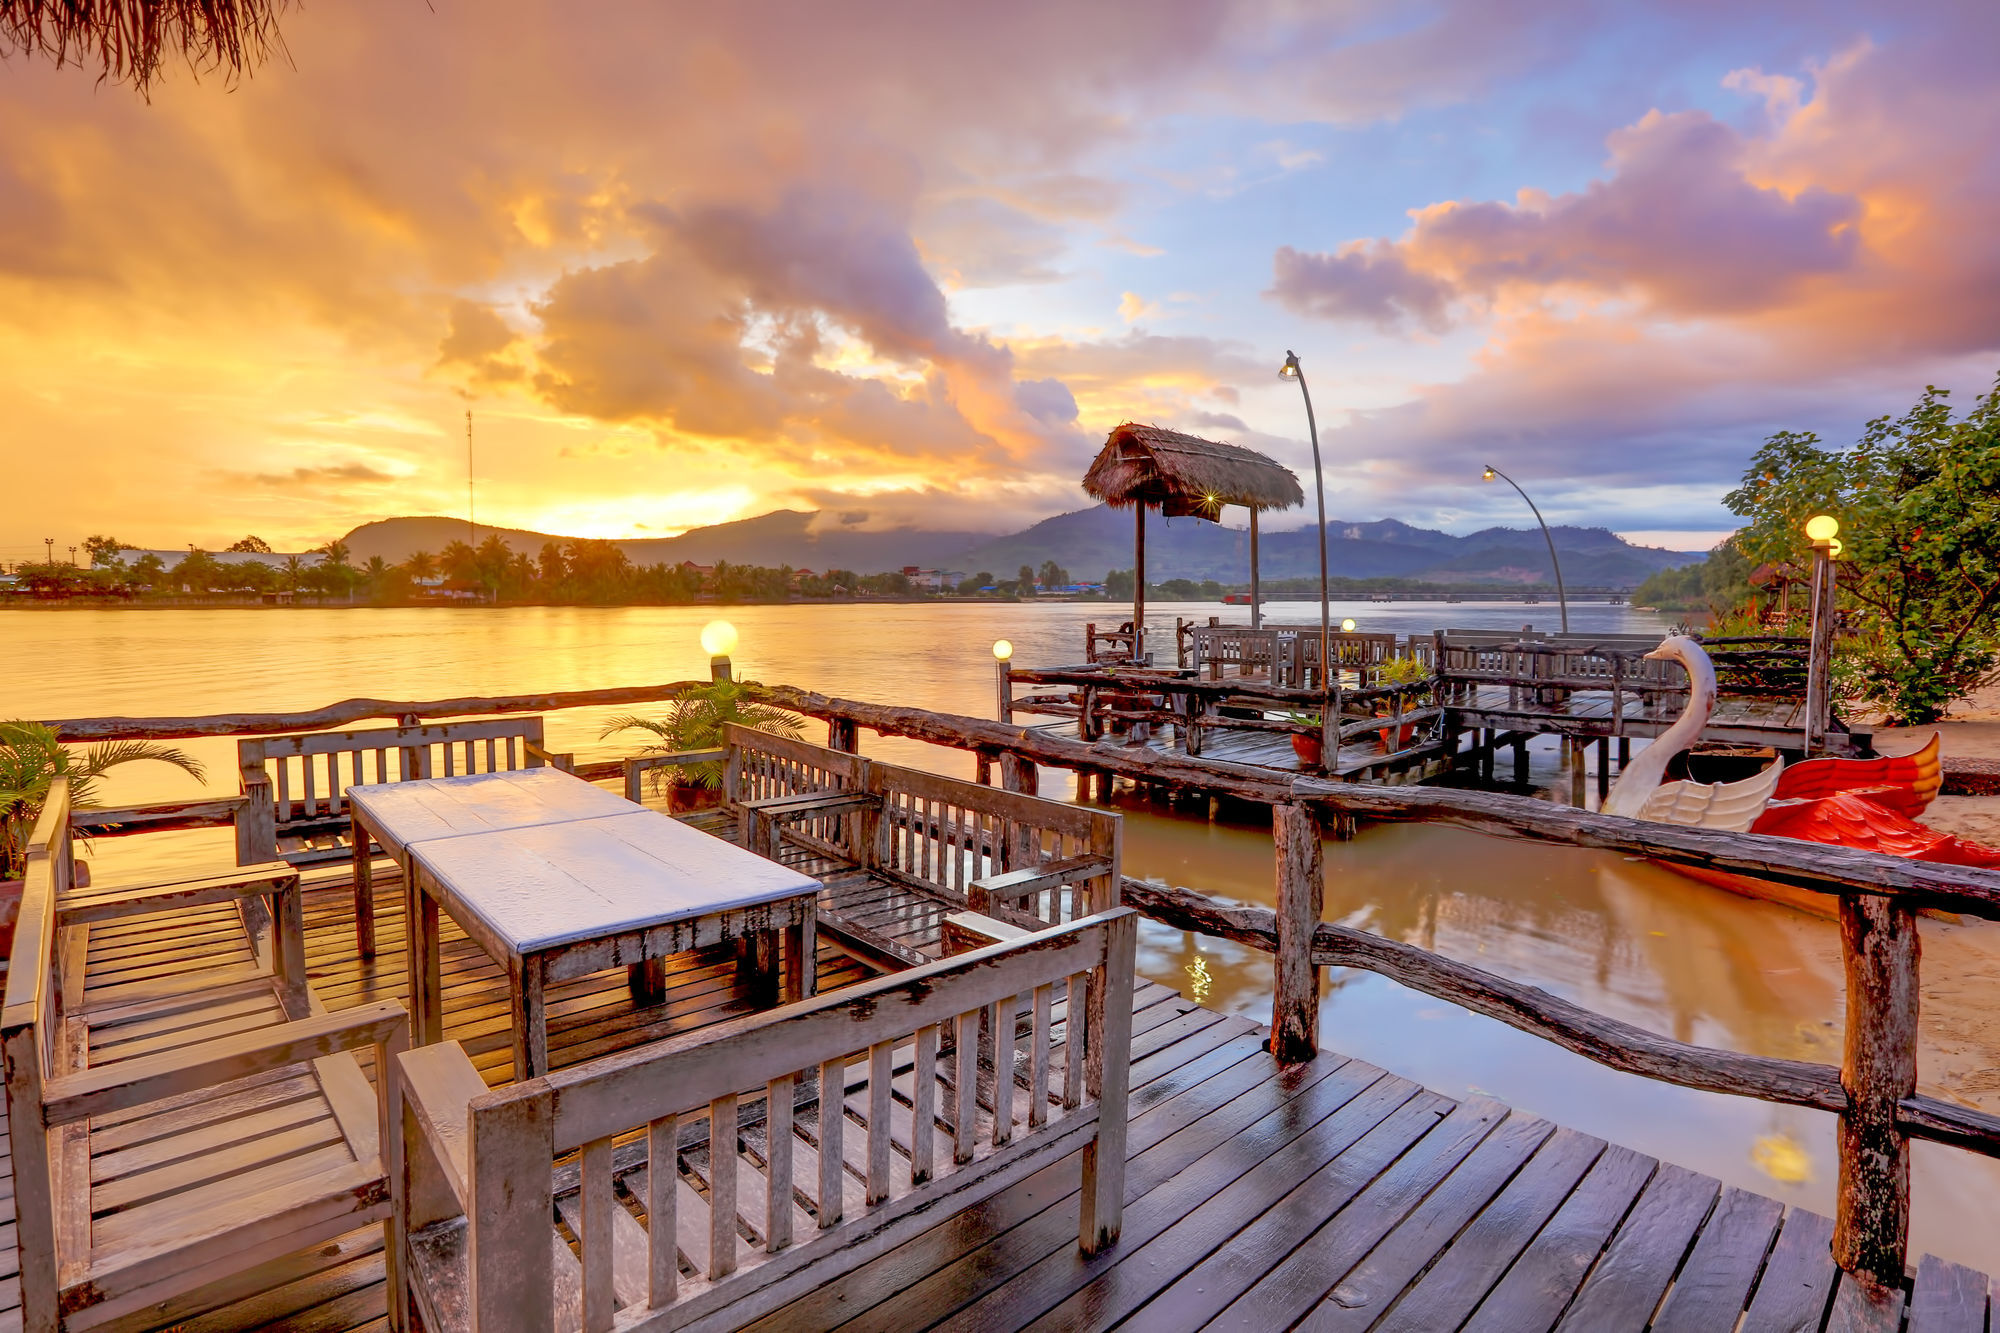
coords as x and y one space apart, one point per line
146 899
149 1078
554 759
438 1085
764 820
1001 891
674 759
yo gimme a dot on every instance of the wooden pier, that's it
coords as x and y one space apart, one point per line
1267 1182
1327 1194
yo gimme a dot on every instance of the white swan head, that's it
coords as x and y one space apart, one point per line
1701 672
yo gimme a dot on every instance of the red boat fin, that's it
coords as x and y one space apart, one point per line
1908 782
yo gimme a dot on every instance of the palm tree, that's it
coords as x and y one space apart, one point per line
694 722
421 565
294 568
32 758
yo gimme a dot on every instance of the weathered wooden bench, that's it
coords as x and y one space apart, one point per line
950 844
770 1154
179 1122
295 786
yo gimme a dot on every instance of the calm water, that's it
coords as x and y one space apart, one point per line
1623 938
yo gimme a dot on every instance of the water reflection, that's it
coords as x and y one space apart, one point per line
1626 939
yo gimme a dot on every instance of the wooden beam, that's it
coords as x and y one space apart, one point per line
1879 947
356 710
1301 892
1820 867
1528 1008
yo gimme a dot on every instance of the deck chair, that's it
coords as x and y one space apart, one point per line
181 1110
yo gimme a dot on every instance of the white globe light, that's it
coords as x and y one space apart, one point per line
1822 527
1002 650
718 638
1347 627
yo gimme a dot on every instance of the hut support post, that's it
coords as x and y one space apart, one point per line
1139 582
1879 947
1301 890
1256 602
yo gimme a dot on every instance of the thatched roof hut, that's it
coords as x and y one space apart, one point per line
1184 476
126 39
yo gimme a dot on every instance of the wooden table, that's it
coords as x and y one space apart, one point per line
565 898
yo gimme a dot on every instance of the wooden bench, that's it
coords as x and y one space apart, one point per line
960 845
772 1153
184 1123
295 786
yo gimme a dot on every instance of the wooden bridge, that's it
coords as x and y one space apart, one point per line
1267 1183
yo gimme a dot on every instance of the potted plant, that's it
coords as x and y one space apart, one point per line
694 721
31 759
1306 744
1401 671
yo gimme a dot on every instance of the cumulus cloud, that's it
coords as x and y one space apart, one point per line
1678 224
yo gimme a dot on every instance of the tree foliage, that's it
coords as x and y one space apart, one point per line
1918 499
32 758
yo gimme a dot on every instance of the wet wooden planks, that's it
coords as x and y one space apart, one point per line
1335 1196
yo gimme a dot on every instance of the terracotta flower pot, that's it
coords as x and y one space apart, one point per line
683 798
1307 748
10 910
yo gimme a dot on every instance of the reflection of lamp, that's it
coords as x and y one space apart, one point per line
1291 370
1347 627
718 640
1002 650
1562 599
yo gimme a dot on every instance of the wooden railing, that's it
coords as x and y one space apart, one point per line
1873 1091
1107 700
1289 654
1006 853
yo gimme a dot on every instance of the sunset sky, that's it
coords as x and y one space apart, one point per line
694 263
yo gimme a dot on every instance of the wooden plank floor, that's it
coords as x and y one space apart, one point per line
1331 1195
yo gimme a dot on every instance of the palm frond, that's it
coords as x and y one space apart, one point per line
110 754
631 722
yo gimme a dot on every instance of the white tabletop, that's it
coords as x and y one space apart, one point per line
556 883
405 812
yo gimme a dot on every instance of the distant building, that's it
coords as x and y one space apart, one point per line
131 555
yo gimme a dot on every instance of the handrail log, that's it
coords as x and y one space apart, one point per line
1820 867
1532 1010
356 710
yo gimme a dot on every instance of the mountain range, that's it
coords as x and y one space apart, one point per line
1090 542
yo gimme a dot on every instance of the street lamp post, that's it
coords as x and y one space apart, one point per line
1562 598
1291 370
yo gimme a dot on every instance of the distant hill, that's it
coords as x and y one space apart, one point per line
784 537
1090 542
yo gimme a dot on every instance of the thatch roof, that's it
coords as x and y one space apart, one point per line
126 39
1185 474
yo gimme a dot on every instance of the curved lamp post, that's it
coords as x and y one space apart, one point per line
1292 371
1561 598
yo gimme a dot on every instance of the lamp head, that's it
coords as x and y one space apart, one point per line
1290 370
1488 475
1002 650
1347 627
718 638
1822 527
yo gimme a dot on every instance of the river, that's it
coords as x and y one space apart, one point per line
1626 939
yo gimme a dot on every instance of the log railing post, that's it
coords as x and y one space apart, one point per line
1878 1069
843 734
1301 890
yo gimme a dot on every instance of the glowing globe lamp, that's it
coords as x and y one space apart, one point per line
718 638
1347 627
1002 650
1822 527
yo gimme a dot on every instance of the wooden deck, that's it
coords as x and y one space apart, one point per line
1366 760
1330 1195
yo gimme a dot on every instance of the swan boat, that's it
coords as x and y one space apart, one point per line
1867 804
